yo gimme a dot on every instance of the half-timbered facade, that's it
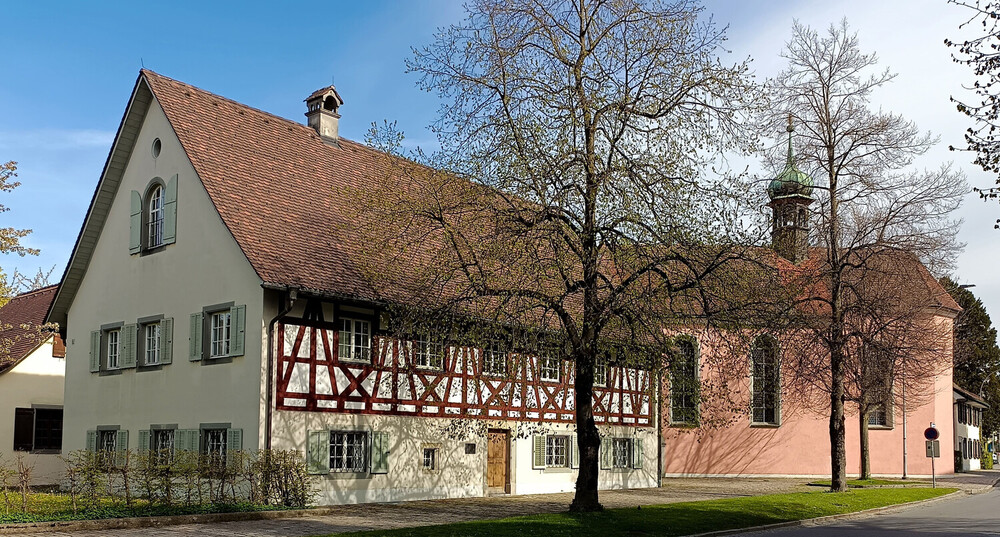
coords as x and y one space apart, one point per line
211 303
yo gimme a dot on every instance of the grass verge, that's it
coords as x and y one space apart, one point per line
678 518
863 483
51 507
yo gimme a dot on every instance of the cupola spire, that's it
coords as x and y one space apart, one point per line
790 193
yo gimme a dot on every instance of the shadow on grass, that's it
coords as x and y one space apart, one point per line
678 518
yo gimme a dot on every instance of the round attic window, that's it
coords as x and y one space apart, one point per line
156 148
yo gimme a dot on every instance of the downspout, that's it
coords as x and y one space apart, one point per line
659 428
292 295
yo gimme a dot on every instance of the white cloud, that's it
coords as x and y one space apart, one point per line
52 139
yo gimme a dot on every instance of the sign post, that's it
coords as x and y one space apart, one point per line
933 446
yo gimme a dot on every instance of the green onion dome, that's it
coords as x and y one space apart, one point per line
791 181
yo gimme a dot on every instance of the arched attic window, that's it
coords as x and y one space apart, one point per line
153 219
766 381
684 382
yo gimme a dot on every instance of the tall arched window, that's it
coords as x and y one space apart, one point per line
154 217
684 382
766 382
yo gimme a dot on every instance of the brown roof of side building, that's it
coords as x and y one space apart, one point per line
20 322
968 396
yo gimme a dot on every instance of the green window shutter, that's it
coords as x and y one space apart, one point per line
166 340
637 453
574 452
234 445
380 453
186 439
170 211
234 439
127 351
91 441
135 224
538 451
95 351
121 447
194 338
318 452
144 435
606 453
238 316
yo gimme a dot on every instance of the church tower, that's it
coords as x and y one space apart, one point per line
791 194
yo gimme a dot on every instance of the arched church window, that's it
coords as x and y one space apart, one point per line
766 380
684 382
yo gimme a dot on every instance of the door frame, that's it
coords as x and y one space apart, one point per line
507 465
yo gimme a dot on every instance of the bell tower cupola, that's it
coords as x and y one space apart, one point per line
790 193
322 114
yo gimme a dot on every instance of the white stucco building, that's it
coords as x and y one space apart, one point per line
212 303
31 386
968 417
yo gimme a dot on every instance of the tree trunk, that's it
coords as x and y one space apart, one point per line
838 452
588 440
866 464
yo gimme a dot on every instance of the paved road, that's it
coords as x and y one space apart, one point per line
977 514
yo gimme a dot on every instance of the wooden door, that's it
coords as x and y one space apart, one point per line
498 459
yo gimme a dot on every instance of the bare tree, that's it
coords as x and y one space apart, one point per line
869 201
573 209
982 55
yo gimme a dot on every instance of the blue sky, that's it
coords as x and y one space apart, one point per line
68 69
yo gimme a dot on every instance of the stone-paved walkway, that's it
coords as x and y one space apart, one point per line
426 512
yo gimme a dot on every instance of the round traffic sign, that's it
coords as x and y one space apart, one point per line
931 433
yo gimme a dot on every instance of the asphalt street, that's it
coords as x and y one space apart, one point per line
977 514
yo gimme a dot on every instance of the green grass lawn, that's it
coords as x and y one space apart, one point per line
679 518
44 507
862 483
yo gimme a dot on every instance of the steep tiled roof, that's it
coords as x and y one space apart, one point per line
278 188
283 193
19 319
275 184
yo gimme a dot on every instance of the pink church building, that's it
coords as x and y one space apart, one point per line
769 425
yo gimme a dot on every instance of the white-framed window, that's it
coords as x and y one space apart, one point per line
154 218
213 446
556 450
430 459
162 444
621 452
107 440
113 338
549 368
220 332
107 446
348 451
355 340
151 343
494 360
601 372
428 353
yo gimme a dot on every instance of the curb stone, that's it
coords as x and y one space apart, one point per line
819 521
